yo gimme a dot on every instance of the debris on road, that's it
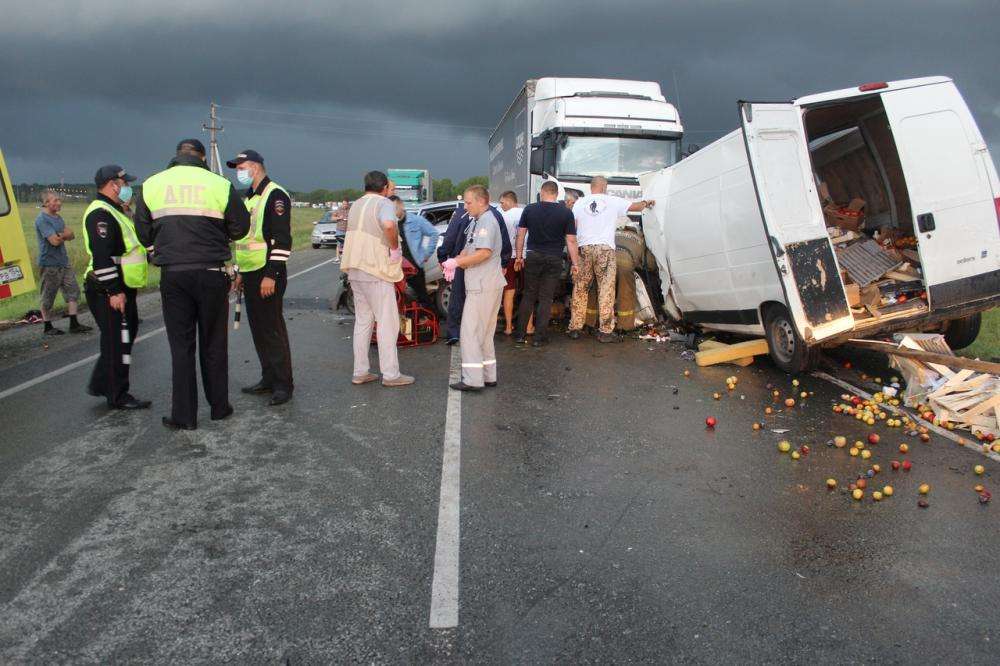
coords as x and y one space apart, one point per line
713 355
715 344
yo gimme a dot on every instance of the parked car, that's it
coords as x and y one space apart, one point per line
325 232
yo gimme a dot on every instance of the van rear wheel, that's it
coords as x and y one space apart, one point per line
961 333
788 351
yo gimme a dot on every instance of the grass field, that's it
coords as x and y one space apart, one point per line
72 213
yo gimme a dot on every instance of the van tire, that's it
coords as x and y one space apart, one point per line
788 351
960 333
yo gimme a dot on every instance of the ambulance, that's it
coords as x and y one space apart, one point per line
16 276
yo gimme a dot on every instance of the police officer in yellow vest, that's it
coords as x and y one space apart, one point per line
116 269
190 215
262 258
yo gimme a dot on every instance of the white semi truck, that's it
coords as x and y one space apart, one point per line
568 130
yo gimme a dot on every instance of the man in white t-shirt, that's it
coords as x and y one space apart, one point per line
596 220
511 213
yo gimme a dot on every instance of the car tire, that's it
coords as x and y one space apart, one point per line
960 333
315 246
442 296
788 351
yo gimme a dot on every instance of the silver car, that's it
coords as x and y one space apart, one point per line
324 233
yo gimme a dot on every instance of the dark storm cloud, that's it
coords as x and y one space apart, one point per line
386 77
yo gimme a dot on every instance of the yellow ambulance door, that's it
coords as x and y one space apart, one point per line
16 276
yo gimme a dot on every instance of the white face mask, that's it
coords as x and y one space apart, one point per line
243 176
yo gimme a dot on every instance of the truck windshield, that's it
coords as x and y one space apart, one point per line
614 156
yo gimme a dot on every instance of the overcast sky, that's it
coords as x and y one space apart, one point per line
328 90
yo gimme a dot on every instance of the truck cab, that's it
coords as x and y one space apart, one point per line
16 276
569 130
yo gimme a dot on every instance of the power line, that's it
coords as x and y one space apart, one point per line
356 119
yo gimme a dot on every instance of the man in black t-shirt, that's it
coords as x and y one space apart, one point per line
550 228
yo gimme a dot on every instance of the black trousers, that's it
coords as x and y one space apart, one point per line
267 326
542 273
418 283
110 375
196 306
456 304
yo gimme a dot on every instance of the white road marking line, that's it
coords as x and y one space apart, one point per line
971 442
90 359
444 588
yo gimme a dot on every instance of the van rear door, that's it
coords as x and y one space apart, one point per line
778 153
950 178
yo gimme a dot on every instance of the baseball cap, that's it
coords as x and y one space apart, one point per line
245 156
191 144
110 172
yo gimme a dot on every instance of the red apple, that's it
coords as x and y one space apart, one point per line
895 465
907 465
873 438
710 422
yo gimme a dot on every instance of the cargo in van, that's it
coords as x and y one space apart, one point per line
837 215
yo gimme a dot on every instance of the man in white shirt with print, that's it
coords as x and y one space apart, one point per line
596 219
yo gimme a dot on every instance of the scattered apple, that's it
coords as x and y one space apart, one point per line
924 488
877 496
907 465
710 422
866 454
979 470
831 483
979 488
876 468
887 491
840 441
756 426
895 465
873 438
796 455
854 452
904 448
717 396
861 483
923 504
858 494
784 446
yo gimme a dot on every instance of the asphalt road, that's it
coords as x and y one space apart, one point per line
600 520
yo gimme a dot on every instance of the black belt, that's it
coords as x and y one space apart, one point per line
213 266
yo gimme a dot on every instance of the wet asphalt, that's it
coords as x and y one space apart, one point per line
600 520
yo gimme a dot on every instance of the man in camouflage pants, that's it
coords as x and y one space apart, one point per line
597 217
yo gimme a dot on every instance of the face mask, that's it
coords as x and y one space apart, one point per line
125 194
243 176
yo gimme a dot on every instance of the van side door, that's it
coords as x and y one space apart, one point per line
951 181
778 153
16 276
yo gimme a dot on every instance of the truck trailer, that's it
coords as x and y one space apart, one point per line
837 215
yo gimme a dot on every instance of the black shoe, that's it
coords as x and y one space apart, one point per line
80 328
490 384
573 335
462 386
170 424
260 388
131 402
94 392
539 342
520 339
224 415
54 331
608 338
451 341
280 397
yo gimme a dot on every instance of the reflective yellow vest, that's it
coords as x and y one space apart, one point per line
251 250
186 190
134 266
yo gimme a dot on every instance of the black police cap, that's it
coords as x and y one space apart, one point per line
191 144
111 172
245 156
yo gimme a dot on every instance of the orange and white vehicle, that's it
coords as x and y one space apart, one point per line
16 276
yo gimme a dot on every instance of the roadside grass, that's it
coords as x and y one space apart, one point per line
72 212
987 345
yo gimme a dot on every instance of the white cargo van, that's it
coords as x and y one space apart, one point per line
741 236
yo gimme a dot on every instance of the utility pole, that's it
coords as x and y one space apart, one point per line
213 128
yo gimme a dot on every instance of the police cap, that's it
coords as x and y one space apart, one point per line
245 156
111 172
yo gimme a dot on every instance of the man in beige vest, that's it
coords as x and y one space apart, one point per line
372 259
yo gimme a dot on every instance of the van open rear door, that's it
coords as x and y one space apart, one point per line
948 173
778 153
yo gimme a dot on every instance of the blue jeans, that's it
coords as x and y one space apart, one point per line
456 304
